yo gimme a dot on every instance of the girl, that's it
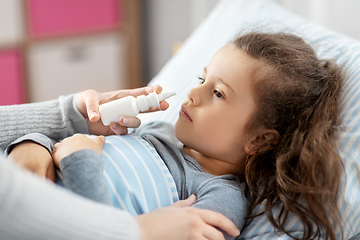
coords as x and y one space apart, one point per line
266 111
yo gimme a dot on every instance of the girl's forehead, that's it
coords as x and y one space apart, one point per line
233 60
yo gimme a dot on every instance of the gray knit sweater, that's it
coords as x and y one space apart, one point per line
31 208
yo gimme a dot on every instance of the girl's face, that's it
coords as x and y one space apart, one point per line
214 116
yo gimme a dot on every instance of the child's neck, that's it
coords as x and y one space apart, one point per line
211 165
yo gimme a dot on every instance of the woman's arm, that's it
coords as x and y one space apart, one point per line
56 119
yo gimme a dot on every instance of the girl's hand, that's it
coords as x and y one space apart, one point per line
88 104
183 222
76 143
35 158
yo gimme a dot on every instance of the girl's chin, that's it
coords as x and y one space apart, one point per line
179 131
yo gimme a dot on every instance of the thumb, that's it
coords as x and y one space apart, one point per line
91 101
185 203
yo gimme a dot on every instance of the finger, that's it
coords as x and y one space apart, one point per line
185 203
136 92
118 129
91 100
111 96
220 221
100 141
156 88
163 106
131 122
212 233
57 145
146 90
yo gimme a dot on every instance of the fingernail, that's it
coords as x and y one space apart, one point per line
93 115
123 121
237 232
113 126
103 138
157 85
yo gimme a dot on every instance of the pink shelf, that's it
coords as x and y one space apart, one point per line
58 17
11 88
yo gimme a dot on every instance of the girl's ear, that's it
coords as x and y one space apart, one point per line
262 141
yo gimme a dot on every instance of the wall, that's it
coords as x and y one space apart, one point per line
166 23
339 15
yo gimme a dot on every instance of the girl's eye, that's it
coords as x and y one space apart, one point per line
218 94
202 80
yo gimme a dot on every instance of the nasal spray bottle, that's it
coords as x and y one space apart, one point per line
130 106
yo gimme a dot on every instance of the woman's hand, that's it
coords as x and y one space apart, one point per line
35 158
76 143
88 104
183 222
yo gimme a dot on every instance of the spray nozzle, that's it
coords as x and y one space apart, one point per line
152 100
165 95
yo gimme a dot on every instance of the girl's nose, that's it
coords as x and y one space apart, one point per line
194 96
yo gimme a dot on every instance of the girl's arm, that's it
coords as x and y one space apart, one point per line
82 173
225 195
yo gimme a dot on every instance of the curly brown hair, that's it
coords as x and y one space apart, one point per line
298 95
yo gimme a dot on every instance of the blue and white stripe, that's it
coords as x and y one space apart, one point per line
229 18
138 179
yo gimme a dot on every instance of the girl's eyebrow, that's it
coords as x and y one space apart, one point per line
220 80
227 85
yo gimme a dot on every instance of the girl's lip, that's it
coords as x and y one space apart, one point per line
183 112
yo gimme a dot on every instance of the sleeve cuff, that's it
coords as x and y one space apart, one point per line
38 138
77 119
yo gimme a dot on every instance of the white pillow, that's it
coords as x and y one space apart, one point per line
228 19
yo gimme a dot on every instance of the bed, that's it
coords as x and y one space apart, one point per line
228 19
